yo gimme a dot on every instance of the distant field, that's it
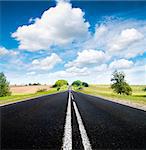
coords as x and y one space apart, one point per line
27 89
138 95
20 93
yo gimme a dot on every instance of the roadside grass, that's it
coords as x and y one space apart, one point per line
19 97
138 95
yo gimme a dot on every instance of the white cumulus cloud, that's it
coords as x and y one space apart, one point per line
126 38
46 63
4 51
119 38
88 57
121 64
58 25
100 32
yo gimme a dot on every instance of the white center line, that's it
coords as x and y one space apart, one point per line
67 140
72 97
85 140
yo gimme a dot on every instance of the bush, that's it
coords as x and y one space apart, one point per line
41 90
119 84
33 84
80 88
58 88
36 84
4 86
54 86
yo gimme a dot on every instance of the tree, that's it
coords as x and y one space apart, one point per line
60 83
85 84
77 83
119 84
4 86
144 89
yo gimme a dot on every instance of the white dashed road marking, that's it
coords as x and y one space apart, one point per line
85 140
72 97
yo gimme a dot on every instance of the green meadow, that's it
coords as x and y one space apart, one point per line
19 97
138 94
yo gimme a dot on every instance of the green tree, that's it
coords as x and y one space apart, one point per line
60 83
119 84
77 83
144 89
4 86
85 84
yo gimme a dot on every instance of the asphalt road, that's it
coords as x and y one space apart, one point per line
85 122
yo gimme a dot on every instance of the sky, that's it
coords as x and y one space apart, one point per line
43 41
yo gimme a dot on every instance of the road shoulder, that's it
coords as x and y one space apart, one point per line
123 102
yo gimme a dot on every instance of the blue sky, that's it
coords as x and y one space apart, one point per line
47 40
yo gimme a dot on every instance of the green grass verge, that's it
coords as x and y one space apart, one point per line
138 95
16 98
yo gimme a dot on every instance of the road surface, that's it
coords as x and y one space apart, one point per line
71 120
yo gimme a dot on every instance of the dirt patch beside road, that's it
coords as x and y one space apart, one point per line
27 89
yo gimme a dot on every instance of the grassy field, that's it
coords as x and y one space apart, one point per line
138 95
19 97
19 89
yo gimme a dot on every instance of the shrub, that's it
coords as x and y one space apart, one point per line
33 84
80 88
41 90
54 86
36 84
58 88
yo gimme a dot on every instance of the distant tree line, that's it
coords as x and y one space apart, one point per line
60 83
32 84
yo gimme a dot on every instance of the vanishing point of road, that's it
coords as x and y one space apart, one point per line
72 120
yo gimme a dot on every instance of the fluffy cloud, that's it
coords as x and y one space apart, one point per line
31 73
57 26
75 71
72 72
88 57
100 32
121 64
4 51
119 38
126 38
46 63
100 68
